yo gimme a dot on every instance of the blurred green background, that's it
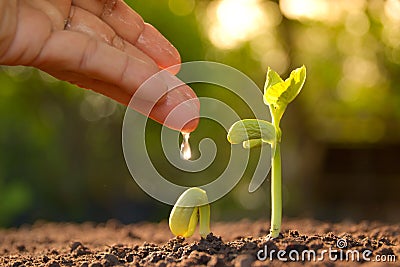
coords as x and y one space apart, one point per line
60 146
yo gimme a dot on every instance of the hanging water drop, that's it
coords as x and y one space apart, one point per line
186 152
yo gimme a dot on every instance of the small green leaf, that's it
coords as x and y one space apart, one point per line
272 79
250 129
278 93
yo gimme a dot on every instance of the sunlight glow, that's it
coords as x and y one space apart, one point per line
320 10
392 10
312 9
235 21
357 24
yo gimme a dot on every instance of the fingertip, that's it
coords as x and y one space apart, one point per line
179 111
190 126
174 69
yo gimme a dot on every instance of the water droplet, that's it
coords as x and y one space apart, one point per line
186 152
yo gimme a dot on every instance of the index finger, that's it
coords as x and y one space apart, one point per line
130 26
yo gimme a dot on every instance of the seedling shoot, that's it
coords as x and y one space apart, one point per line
191 208
278 94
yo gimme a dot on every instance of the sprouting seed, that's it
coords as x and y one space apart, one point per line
191 208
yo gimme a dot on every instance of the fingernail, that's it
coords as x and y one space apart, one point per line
178 108
190 126
184 113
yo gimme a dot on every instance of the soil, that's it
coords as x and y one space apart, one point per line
231 244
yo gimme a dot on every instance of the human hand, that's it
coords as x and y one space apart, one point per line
100 45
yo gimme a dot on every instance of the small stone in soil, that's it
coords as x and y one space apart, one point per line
111 259
17 263
216 261
243 260
53 264
75 245
45 259
385 251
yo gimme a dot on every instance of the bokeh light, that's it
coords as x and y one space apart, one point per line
181 7
326 11
233 21
95 107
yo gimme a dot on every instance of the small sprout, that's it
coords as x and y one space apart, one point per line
191 207
252 132
278 93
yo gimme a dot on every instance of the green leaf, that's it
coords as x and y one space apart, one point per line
278 93
249 129
272 79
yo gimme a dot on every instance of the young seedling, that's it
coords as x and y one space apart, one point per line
252 132
191 207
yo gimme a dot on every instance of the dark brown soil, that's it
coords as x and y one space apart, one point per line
232 244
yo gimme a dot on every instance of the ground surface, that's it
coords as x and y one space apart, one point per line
233 244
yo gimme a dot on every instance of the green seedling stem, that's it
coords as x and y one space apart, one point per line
278 94
276 193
